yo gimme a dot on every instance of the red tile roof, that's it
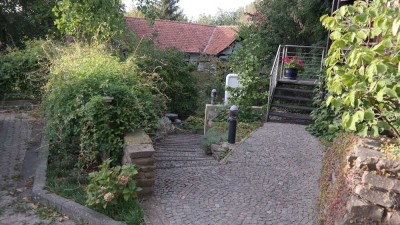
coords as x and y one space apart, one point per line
187 37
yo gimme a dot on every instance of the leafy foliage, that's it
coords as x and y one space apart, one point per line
111 185
25 71
248 61
364 66
22 19
81 124
176 79
275 22
161 9
222 18
86 19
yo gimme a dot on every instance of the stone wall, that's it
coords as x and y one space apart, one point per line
139 151
370 189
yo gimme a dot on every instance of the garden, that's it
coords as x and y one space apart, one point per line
96 81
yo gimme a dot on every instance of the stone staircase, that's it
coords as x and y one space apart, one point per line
292 101
182 150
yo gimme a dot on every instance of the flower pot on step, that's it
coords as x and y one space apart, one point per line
290 73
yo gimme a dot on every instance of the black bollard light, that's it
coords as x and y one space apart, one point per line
233 120
213 96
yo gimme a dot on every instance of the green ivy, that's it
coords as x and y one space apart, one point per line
363 66
25 71
81 124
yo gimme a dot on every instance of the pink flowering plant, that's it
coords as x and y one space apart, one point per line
293 62
111 186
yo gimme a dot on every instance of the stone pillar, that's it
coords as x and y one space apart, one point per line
139 151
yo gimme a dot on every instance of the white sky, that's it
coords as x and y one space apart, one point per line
193 8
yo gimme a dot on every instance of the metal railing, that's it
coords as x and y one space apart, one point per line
312 57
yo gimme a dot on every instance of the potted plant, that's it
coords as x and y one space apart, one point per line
292 66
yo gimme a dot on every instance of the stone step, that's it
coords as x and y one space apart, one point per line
180 158
180 164
178 154
158 149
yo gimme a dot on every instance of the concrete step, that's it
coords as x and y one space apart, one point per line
291 115
294 107
297 90
180 164
285 97
298 82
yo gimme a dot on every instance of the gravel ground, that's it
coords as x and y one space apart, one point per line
271 178
19 142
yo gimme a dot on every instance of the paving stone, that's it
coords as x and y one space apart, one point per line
266 173
374 196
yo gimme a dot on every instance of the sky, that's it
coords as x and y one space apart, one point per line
193 8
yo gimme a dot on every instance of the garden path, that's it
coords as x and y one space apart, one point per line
270 178
19 142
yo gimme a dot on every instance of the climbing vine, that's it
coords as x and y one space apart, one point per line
363 66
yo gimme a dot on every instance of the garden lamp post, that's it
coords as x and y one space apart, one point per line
213 96
233 120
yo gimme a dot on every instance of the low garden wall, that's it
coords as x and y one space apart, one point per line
359 184
139 151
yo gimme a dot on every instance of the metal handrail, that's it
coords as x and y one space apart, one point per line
278 65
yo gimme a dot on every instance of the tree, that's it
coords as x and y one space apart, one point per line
275 22
222 18
20 19
85 19
161 9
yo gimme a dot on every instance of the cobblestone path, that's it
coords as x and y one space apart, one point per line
271 178
16 170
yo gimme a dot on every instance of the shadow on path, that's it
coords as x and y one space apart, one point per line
271 178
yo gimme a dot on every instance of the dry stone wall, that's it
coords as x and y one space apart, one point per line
374 198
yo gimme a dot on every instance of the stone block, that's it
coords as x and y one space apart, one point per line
143 161
147 169
146 191
392 166
392 218
139 151
143 175
381 182
374 196
366 157
360 210
145 182
137 137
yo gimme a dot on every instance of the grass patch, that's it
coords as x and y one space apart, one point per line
218 133
67 183
193 123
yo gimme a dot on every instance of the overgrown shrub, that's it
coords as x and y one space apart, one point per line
177 81
81 122
24 71
363 66
111 186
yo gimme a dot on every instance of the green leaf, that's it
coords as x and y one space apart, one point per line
375 130
361 35
383 124
396 26
336 35
369 115
328 100
379 96
362 18
352 96
362 131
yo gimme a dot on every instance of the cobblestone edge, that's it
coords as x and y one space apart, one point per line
65 206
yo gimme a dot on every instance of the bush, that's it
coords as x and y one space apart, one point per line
110 186
176 80
25 71
81 124
363 74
